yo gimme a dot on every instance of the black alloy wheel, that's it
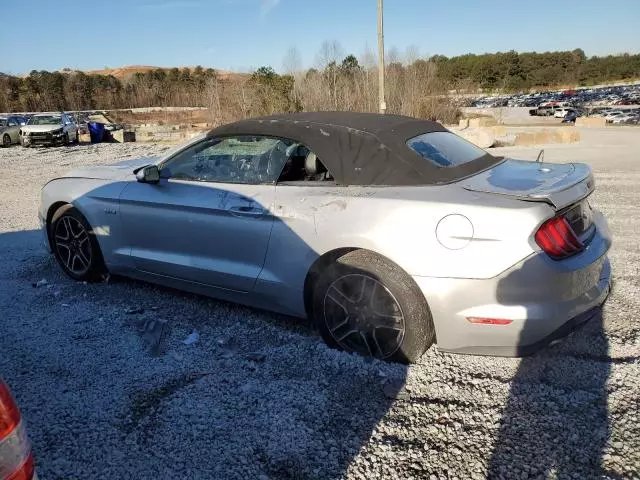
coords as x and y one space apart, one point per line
363 303
72 245
363 316
75 246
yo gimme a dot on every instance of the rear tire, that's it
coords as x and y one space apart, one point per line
75 245
6 140
364 303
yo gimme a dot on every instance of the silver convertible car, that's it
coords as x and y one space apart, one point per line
390 233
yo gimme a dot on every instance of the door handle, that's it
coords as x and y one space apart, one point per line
247 211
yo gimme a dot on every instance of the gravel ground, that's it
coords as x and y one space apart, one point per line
259 395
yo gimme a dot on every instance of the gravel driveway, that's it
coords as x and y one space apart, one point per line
259 396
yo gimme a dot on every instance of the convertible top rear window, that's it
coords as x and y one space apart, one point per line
445 149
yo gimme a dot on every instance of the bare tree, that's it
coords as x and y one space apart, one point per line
394 80
412 82
369 79
292 63
392 56
212 101
328 57
330 51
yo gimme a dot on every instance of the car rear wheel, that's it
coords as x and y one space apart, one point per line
365 304
75 246
6 140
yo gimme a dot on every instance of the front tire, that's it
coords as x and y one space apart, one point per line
365 304
6 140
75 246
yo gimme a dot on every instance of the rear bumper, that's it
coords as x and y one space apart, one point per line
544 299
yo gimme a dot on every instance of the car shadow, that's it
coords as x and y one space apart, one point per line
331 401
555 423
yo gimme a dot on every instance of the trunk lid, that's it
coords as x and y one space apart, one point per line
559 185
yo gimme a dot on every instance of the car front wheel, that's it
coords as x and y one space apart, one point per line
365 304
75 246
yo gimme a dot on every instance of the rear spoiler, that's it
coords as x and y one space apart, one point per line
578 184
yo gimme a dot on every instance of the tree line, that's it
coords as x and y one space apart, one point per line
414 86
514 71
52 91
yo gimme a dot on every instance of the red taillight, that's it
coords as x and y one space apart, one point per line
9 413
16 460
25 471
557 238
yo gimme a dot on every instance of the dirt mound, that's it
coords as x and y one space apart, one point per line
128 70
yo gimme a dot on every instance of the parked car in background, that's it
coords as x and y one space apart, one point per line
624 118
49 129
594 97
571 117
16 458
598 111
563 112
611 116
609 113
388 232
9 129
542 111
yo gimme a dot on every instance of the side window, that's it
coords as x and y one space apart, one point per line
12 122
249 159
303 166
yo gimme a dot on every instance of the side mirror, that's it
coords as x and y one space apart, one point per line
148 174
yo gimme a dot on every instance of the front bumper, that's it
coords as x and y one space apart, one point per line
544 298
45 235
45 139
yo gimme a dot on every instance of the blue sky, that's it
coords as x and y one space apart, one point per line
245 34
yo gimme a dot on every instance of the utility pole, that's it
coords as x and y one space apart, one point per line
383 104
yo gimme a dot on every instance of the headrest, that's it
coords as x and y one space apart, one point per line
311 164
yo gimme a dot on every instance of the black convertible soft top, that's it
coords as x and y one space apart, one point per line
361 148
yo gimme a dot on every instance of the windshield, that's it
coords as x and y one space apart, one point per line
46 120
243 159
445 149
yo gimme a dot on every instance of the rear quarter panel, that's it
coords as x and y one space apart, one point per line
399 223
